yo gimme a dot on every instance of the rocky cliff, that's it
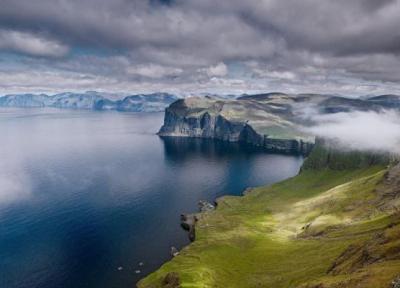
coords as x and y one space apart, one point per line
234 121
216 126
275 121
208 126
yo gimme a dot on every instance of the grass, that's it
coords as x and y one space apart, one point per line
289 235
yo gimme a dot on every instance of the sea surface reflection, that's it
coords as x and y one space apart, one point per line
83 193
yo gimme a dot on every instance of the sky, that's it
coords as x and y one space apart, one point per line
200 46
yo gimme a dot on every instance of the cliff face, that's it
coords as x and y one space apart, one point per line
217 127
208 126
275 121
186 118
288 146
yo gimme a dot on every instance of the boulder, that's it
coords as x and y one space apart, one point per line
188 220
174 251
205 206
171 280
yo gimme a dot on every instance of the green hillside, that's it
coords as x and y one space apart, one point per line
334 225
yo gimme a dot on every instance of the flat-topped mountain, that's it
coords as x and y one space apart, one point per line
91 100
275 121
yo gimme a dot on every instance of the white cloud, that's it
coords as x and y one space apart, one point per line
154 71
219 70
351 48
30 44
370 131
284 75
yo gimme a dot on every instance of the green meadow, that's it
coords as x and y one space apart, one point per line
330 226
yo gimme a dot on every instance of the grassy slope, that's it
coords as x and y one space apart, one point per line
290 234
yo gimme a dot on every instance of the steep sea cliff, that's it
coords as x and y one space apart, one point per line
275 121
206 118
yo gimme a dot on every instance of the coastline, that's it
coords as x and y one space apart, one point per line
212 119
252 234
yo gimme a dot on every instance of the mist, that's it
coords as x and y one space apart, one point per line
366 131
42 144
15 184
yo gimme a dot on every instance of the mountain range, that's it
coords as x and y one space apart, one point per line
91 100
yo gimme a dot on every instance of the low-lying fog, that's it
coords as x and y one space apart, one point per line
369 131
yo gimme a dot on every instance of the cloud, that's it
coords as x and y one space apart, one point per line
154 71
263 72
299 46
371 131
31 44
218 70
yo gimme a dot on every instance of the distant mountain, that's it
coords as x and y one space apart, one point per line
90 100
388 101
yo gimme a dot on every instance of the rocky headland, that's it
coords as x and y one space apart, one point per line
274 121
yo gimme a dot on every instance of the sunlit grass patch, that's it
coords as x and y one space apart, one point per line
284 235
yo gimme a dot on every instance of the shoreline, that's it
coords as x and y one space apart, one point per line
251 240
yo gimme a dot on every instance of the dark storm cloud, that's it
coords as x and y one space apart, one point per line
333 44
323 26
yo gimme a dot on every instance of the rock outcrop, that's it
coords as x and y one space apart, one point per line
205 206
188 222
171 280
275 121
242 121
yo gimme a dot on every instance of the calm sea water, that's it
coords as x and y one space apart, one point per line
83 193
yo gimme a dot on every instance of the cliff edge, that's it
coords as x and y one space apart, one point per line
336 224
266 123
275 121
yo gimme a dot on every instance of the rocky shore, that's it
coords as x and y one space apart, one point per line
188 221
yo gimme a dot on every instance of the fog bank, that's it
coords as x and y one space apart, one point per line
368 131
